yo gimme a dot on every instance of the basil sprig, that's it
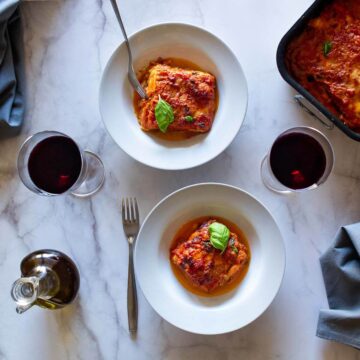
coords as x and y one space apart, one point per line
219 236
327 46
164 114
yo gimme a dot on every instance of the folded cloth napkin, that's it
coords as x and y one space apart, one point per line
11 66
341 271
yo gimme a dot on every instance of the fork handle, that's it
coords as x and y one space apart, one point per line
118 16
132 305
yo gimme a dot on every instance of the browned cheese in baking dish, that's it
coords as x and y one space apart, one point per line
325 59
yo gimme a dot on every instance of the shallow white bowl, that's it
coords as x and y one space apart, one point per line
181 41
224 313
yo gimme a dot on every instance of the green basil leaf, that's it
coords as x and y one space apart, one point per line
219 236
164 114
327 46
189 118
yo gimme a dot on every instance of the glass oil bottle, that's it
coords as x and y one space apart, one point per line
49 279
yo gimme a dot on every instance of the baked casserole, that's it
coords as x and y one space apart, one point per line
325 59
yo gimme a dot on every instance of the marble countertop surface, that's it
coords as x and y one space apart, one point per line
67 45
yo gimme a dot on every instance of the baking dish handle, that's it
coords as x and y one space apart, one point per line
301 101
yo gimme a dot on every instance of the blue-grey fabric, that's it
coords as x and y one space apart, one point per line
11 66
341 271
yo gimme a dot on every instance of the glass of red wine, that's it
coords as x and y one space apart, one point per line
51 163
300 159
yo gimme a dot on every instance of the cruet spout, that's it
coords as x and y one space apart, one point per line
20 308
25 292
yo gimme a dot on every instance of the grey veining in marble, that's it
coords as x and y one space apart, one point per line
67 45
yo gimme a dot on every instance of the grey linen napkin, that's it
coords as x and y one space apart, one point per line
341 271
11 66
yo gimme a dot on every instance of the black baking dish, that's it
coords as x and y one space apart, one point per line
294 31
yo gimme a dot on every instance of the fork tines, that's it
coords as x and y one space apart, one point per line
129 210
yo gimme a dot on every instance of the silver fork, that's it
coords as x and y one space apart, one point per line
131 72
131 220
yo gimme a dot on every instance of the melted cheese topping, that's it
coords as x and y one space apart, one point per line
189 92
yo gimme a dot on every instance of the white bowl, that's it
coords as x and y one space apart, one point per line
224 313
180 41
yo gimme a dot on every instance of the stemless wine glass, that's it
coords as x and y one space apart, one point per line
272 182
89 169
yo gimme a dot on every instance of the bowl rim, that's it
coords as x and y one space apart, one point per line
196 28
228 186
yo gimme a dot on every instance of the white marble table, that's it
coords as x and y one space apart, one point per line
67 45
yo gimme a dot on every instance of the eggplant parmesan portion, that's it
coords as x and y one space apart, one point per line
205 267
325 59
190 93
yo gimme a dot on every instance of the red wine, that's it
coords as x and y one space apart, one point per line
55 164
297 160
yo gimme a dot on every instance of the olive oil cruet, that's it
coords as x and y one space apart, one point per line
49 279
